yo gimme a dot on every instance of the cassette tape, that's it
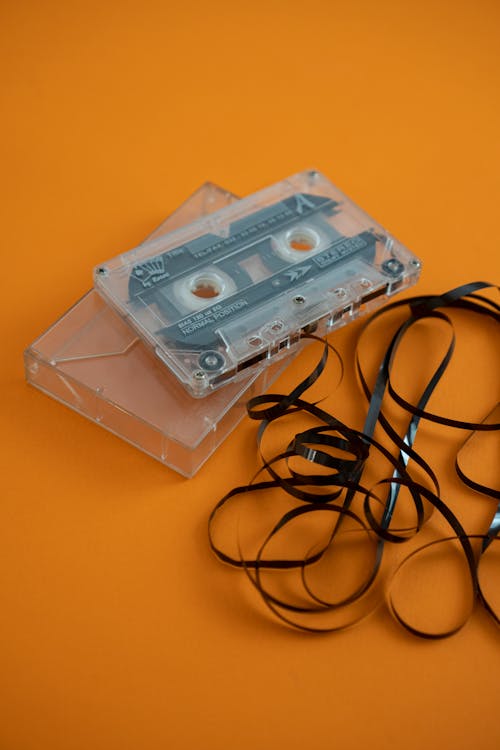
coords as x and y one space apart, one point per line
241 286
93 362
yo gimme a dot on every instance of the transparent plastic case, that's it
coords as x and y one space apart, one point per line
93 362
235 289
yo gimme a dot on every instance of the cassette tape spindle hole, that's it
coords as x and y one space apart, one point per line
302 239
206 287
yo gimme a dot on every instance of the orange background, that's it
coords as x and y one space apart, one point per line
118 628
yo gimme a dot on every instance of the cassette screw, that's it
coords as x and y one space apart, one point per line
199 375
392 267
211 361
415 263
299 299
102 271
340 292
365 283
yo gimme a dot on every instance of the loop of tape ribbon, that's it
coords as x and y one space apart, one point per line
321 527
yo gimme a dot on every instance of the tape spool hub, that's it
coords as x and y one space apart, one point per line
298 242
302 239
203 288
206 286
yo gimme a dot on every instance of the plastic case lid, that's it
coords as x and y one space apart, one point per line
93 362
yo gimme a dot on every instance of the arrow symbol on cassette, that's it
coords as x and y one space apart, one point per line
297 273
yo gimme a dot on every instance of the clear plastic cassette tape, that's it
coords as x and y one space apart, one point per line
239 287
93 362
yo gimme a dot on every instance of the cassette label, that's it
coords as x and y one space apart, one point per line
240 286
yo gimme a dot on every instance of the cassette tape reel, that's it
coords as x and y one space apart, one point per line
241 286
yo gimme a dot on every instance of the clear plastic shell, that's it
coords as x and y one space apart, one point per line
216 299
93 362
